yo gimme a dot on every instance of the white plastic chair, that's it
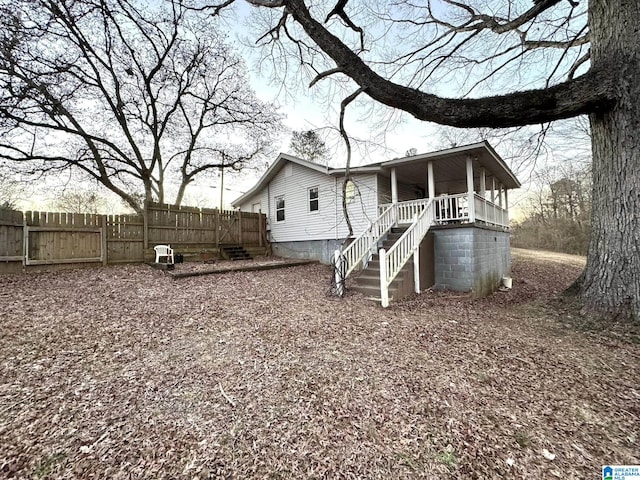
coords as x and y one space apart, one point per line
163 251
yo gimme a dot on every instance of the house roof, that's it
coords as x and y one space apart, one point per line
274 168
449 167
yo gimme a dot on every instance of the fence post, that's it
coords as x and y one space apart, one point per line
240 227
384 291
103 239
25 239
216 220
145 226
260 228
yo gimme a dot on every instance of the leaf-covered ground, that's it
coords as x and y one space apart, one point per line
124 372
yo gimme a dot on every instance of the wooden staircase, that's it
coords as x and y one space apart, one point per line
367 281
234 252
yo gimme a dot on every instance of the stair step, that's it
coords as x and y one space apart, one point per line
367 290
373 264
235 252
368 280
373 291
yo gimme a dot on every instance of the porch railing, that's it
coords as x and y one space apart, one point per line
489 212
421 214
451 208
363 246
455 209
394 259
406 211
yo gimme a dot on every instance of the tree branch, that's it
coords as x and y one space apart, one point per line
325 74
347 172
338 10
588 93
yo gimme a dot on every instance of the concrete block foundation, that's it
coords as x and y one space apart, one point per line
464 258
471 258
321 250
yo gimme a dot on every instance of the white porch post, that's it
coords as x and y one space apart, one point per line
506 208
394 186
483 194
416 270
493 189
470 193
416 263
499 194
384 291
431 181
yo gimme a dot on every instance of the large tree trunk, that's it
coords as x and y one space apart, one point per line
611 281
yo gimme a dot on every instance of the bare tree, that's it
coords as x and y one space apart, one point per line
522 63
128 93
80 200
309 146
557 211
10 190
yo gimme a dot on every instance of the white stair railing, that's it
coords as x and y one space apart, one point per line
392 260
363 246
407 211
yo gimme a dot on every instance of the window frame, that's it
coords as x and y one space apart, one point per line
280 209
350 191
312 200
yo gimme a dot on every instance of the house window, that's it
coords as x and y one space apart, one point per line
350 191
279 209
313 199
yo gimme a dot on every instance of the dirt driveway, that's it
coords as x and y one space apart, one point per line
123 372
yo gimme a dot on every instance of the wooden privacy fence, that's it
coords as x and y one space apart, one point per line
190 227
46 238
11 238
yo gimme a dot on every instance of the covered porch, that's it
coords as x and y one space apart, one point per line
467 186
443 221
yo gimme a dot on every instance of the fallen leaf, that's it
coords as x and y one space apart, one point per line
548 455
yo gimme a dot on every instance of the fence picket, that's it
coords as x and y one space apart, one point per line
59 237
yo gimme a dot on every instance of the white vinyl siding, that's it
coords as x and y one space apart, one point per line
259 198
293 182
280 209
362 208
313 200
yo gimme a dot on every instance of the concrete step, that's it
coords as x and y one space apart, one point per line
367 278
367 290
371 277
373 292
368 281
374 264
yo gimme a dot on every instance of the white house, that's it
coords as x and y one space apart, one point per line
452 203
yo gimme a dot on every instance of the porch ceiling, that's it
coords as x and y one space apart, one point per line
450 168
